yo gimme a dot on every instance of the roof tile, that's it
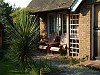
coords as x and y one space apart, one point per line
47 5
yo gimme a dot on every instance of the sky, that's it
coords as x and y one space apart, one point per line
18 3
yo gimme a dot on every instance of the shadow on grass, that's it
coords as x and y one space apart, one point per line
9 68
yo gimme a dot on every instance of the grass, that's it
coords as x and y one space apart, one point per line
67 60
45 65
9 68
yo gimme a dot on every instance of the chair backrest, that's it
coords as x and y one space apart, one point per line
63 39
52 37
43 36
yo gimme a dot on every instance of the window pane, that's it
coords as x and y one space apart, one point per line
64 23
51 23
57 23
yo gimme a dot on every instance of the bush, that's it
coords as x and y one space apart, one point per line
1 54
44 65
23 34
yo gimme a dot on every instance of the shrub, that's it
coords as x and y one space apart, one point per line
44 65
23 34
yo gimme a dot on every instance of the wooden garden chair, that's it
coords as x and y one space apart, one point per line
51 38
62 48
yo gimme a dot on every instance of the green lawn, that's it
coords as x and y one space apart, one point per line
8 68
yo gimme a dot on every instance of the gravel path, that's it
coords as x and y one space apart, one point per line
65 69
76 70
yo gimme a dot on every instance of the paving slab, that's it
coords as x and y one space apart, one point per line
92 63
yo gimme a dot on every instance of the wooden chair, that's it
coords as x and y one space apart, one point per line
62 48
51 38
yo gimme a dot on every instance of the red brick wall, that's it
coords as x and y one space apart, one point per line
43 24
85 29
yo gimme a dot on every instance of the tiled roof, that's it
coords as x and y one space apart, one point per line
48 5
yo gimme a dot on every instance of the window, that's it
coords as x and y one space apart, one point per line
57 23
74 35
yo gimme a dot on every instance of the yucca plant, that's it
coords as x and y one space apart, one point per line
23 34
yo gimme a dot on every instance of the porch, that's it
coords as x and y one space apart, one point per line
62 22
67 16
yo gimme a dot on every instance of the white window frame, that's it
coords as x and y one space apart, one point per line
59 22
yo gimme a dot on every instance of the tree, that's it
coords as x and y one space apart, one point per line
23 37
5 11
5 19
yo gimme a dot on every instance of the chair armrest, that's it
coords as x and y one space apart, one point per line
62 44
52 43
65 47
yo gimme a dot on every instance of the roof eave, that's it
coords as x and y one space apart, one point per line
52 10
75 4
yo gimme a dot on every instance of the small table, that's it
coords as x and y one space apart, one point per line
51 43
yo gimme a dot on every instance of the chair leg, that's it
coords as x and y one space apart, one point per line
48 49
40 50
60 51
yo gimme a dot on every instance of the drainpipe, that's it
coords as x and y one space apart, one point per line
93 11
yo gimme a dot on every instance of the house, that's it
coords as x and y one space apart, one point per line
78 18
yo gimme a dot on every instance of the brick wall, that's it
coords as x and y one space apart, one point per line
43 24
85 29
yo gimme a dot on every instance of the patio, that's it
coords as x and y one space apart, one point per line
92 63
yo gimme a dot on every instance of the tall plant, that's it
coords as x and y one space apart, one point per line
5 11
23 37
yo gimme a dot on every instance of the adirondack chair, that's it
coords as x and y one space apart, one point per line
62 48
51 38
